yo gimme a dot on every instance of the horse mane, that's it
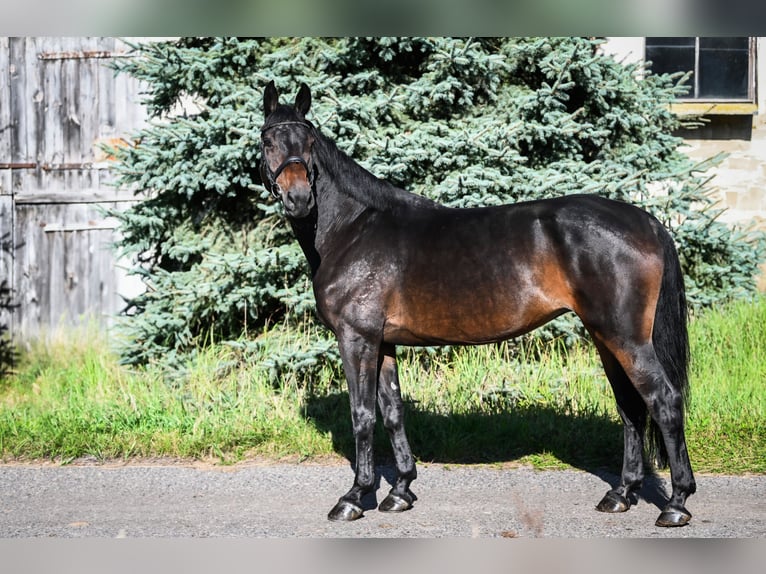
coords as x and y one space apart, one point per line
351 179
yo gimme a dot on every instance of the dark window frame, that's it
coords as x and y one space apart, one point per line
695 78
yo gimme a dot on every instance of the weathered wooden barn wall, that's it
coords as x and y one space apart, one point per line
58 101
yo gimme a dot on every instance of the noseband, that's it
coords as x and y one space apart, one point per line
271 177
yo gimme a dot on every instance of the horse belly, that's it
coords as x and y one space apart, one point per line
468 319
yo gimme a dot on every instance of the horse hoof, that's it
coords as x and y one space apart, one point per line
673 517
394 503
613 502
345 511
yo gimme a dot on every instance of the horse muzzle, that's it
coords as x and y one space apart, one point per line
298 201
296 188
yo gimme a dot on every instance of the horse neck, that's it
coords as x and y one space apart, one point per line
341 191
336 212
346 192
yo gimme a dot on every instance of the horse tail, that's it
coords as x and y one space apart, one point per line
670 339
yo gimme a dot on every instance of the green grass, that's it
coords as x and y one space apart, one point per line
727 416
536 404
72 400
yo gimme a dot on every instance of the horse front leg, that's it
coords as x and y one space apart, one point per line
392 409
360 364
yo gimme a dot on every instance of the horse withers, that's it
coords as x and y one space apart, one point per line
393 268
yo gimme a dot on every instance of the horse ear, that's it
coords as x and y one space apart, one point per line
303 99
270 99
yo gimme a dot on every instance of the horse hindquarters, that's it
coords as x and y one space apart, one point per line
654 361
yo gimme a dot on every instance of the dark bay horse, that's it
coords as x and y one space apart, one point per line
393 268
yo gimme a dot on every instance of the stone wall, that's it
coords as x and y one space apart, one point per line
740 180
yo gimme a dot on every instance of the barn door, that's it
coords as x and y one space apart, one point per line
59 101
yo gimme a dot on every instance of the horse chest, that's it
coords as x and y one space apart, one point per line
350 295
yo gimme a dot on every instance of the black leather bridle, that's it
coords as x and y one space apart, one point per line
270 182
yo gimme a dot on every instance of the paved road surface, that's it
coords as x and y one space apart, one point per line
291 500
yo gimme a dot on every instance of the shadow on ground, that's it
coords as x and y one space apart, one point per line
591 442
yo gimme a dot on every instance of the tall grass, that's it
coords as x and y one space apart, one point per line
531 402
727 416
534 402
71 400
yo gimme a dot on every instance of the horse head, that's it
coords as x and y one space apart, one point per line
287 167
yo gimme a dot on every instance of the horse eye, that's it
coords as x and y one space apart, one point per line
267 143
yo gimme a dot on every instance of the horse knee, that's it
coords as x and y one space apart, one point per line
363 424
392 418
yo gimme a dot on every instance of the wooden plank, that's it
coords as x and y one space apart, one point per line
6 214
6 236
26 269
713 108
18 109
34 94
81 55
129 113
6 253
101 224
86 109
54 288
54 141
5 114
108 195
82 166
106 129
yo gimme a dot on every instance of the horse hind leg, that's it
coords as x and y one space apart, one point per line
392 410
632 411
665 406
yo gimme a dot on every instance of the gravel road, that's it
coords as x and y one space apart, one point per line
291 501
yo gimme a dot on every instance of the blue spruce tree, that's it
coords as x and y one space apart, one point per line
466 122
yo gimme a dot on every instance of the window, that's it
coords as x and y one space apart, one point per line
722 68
